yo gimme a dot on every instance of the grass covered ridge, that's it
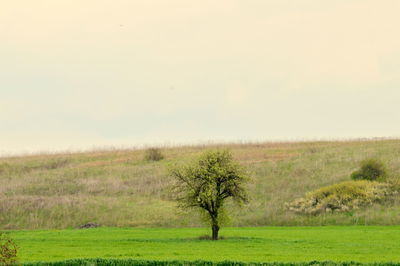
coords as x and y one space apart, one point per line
121 188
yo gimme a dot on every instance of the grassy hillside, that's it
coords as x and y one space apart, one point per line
119 188
260 244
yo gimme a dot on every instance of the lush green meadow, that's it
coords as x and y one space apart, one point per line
258 244
118 188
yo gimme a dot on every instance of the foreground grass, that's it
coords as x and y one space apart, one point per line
120 189
262 244
134 262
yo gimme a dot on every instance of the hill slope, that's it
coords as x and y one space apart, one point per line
119 188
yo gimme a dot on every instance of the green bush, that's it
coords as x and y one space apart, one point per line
153 154
341 197
8 250
370 169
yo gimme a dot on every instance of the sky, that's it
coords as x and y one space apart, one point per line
88 74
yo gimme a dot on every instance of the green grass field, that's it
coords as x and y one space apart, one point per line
118 188
261 244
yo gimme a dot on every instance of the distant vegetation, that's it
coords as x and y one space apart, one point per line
153 154
350 195
371 169
343 197
120 188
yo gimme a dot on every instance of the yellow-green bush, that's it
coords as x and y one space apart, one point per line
342 197
8 250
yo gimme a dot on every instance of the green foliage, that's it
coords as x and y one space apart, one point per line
153 154
206 183
342 197
370 169
8 250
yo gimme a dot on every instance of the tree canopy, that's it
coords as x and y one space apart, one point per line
206 183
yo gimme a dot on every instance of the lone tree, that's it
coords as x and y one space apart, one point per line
206 183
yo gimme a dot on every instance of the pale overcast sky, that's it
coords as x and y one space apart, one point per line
76 74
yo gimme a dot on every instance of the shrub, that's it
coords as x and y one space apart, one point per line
153 154
341 197
8 250
370 169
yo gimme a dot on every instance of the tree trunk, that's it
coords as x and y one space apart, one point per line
215 229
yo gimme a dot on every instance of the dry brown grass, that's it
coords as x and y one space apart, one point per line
119 188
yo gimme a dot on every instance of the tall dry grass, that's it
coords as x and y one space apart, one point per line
120 188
